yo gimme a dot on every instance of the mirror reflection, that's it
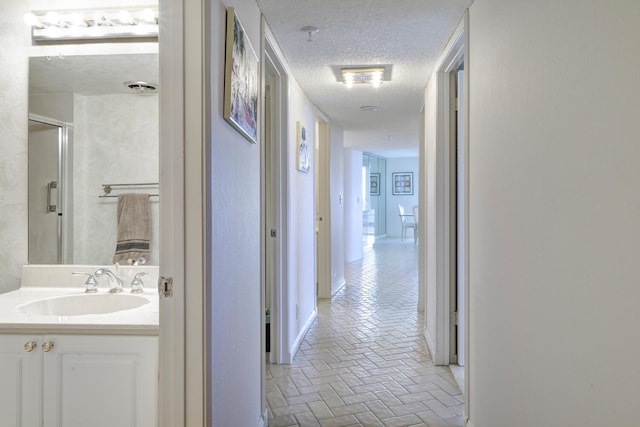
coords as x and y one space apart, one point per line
93 121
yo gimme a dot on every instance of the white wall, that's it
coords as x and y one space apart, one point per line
554 213
336 196
403 164
301 234
352 205
15 38
234 288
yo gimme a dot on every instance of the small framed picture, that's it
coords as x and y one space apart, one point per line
304 154
402 183
374 184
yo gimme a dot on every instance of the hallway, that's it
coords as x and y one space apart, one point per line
364 361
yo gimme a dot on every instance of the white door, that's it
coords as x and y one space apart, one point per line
20 381
460 220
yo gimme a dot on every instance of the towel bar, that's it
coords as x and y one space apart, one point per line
107 188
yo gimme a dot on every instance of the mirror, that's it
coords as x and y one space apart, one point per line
87 128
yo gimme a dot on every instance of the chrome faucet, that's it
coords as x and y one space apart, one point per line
137 286
115 283
90 285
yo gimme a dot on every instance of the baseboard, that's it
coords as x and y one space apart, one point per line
263 422
468 423
431 345
338 287
303 332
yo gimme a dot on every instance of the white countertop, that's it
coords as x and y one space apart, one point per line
138 321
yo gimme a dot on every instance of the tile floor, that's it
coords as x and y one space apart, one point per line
364 361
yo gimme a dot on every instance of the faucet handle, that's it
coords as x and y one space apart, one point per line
91 284
137 285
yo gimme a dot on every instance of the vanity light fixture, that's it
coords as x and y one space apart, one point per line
364 75
93 24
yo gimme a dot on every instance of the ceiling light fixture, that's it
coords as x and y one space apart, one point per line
93 24
310 30
364 75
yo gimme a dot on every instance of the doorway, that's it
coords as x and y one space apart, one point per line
275 195
323 209
458 209
374 202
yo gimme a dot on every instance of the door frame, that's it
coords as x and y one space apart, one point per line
183 340
279 158
65 183
456 52
323 209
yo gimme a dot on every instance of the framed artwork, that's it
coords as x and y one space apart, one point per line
241 80
402 183
374 184
304 155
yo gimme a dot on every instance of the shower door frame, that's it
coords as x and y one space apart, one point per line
64 201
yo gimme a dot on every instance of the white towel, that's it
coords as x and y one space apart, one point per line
133 228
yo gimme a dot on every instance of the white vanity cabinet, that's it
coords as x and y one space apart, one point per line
78 380
20 381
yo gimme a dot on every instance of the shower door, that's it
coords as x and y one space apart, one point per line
46 144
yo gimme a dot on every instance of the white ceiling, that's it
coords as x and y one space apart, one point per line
90 74
409 35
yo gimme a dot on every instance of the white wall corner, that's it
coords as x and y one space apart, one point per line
263 421
338 285
431 346
303 332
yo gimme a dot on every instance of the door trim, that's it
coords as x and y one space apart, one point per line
279 296
171 384
457 50
323 208
183 341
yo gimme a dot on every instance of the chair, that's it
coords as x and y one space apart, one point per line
407 221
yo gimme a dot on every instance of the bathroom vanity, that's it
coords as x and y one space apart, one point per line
70 358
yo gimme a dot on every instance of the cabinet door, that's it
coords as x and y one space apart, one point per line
100 381
20 381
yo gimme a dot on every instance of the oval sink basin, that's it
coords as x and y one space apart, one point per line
83 304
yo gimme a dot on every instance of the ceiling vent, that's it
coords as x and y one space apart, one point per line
142 88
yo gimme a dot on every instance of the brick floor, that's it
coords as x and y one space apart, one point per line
364 361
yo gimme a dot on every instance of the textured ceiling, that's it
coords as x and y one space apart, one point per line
91 74
406 35
409 35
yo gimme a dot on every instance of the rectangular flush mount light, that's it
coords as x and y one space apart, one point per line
357 76
93 24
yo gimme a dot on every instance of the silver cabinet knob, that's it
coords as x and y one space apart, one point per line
30 346
47 346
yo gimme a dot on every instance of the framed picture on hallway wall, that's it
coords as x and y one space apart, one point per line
240 80
402 183
304 154
374 184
